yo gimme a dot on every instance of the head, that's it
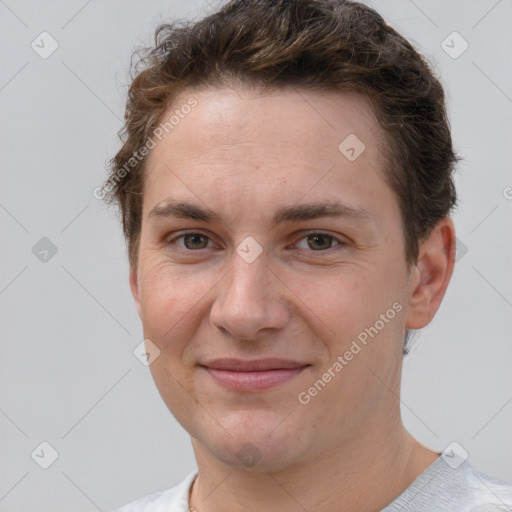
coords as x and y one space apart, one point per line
285 185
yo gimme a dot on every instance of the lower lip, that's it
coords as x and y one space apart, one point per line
253 381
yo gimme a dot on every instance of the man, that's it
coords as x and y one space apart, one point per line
285 187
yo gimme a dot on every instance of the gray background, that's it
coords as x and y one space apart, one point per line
69 327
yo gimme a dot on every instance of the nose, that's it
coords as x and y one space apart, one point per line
250 300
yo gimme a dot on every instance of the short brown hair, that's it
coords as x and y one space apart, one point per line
311 44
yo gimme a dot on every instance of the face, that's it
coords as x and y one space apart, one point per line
271 274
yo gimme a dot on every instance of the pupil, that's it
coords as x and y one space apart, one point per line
318 239
194 239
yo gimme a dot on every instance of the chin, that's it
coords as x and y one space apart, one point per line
257 441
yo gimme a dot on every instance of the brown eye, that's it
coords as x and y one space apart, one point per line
319 242
195 241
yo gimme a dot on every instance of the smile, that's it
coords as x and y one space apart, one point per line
257 375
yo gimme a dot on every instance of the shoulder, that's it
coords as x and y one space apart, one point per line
489 493
170 500
453 485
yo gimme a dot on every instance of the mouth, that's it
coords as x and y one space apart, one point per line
256 375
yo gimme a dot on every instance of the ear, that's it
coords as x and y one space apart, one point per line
431 274
134 287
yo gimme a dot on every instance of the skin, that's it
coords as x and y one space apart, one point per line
244 155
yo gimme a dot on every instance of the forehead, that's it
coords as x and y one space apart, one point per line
237 138
227 116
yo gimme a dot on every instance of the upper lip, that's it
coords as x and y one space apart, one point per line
254 365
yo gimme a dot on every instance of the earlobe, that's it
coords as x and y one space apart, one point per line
431 274
134 287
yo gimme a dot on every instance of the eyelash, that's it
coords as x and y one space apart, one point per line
338 241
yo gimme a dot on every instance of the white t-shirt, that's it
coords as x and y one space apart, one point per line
442 487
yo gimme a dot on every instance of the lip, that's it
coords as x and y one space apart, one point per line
255 375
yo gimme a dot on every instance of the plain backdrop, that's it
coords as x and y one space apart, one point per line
68 375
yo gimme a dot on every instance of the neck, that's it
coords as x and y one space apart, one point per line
363 475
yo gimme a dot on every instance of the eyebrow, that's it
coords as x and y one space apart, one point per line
301 212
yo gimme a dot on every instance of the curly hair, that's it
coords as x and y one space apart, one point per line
332 45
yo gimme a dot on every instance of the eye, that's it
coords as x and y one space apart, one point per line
192 241
313 241
318 242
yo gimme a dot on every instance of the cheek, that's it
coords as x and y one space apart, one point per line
364 311
369 334
171 304
353 300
